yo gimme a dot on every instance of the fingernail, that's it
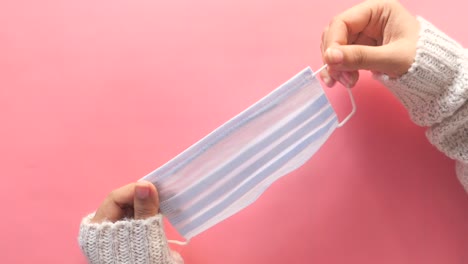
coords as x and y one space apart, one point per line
344 81
142 192
327 80
335 56
348 77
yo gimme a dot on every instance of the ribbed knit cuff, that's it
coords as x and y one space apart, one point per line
126 241
434 86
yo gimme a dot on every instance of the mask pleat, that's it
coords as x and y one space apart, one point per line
232 166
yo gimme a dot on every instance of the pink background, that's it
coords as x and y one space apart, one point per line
96 94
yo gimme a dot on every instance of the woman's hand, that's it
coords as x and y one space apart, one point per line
376 35
136 200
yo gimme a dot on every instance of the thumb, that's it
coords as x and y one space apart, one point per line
356 57
145 201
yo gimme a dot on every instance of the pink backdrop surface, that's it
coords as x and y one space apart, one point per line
96 94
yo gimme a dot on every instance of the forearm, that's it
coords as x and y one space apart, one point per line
435 92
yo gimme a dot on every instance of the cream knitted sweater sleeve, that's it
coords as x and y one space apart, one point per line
128 241
435 92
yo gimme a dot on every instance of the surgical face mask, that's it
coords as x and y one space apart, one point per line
232 166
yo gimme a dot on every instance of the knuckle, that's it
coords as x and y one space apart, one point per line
112 195
146 212
359 57
334 20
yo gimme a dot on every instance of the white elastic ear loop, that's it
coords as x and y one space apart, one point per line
351 97
177 242
353 103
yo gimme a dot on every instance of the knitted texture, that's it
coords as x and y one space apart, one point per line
435 93
128 241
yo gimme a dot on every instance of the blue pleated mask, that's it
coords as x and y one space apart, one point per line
232 166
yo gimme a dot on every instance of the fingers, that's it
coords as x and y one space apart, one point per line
135 200
116 205
345 29
349 23
345 61
350 27
379 36
349 78
346 78
355 57
326 78
146 201
393 59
